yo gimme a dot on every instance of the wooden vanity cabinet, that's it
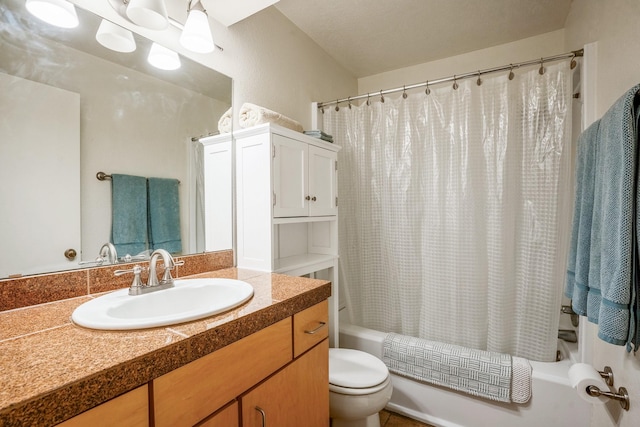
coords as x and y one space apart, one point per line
191 393
128 410
297 395
300 391
283 369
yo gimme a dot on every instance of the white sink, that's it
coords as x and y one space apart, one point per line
189 299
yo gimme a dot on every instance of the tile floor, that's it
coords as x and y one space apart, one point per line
391 419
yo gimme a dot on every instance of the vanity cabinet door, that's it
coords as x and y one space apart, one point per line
297 395
128 410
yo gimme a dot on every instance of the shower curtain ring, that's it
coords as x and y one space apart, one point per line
427 91
337 106
322 109
573 63
368 100
455 83
511 74
541 70
349 102
404 92
479 81
381 96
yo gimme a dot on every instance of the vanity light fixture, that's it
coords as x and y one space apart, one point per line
163 58
196 35
151 14
60 13
115 37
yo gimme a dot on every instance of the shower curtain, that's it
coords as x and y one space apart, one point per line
455 211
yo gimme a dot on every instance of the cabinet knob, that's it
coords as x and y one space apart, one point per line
313 199
308 198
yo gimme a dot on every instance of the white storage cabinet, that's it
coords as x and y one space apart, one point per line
287 206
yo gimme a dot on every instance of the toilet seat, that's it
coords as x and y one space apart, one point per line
356 372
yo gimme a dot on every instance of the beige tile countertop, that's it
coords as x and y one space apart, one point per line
52 369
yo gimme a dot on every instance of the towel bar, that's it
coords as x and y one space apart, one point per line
104 177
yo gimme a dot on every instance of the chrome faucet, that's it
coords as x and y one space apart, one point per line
138 287
169 264
108 253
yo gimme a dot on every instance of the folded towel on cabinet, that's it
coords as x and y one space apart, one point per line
252 115
226 121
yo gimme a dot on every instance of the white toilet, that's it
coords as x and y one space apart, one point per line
359 387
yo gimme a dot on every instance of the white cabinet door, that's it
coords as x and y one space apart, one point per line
290 165
322 182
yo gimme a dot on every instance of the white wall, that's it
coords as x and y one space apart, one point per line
519 51
614 25
276 65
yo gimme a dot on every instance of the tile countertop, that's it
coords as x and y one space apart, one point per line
53 369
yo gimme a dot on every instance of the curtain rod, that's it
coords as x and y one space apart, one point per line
454 78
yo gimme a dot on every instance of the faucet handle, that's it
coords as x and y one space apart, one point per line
136 284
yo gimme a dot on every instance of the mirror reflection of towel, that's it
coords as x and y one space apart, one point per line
129 213
164 214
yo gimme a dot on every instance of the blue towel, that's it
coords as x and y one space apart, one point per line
164 215
601 262
577 284
129 213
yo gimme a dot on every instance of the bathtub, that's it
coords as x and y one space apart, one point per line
553 402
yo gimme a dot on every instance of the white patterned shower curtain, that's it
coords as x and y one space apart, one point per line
455 211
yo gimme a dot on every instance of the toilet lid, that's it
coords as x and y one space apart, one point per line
355 369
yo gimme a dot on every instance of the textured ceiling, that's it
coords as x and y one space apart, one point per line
372 36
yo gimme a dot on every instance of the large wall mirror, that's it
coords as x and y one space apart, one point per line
70 108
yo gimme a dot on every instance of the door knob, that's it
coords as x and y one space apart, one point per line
70 254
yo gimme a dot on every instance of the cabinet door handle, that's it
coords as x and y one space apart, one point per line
313 331
263 415
313 199
308 198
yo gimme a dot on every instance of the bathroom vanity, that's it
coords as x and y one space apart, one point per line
266 360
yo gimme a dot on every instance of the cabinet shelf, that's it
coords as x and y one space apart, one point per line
301 219
299 262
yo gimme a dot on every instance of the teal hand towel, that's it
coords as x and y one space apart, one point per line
164 215
129 213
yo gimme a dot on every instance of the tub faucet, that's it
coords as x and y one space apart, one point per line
169 264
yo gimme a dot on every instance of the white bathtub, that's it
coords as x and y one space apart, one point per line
553 403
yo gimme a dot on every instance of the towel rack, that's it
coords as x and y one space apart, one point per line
104 177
